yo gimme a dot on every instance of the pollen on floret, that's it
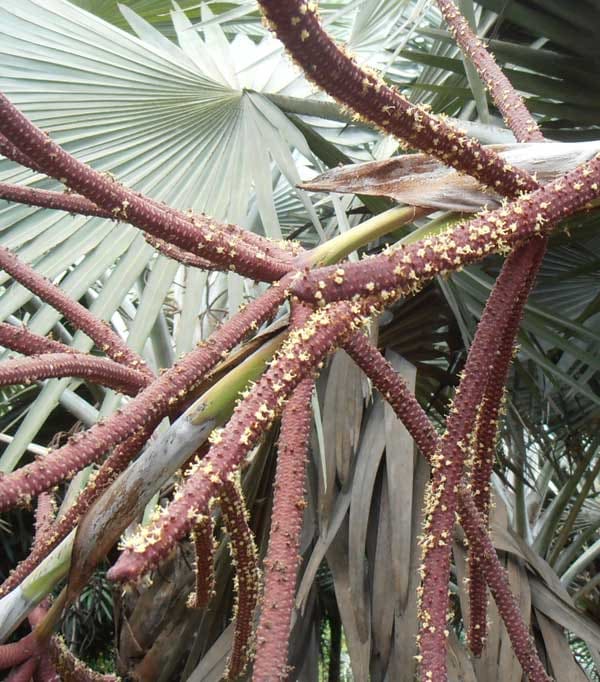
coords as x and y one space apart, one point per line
215 436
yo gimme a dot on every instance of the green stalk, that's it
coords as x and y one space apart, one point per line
343 244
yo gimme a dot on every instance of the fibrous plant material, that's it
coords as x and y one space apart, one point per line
247 575
298 358
282 560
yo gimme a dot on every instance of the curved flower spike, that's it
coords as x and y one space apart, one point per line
23 341
204 549
296 24
146 410
103 336
521 640
448 462
282 560
408 410
199 235
298 358
405 270
55 365
510 104
247 575
484 442
75 203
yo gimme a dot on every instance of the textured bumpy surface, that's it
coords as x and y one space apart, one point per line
104 337
497 580
147 409
520 121
296 24
448 467
486 428
461 460
405 270
204 550
244 558
301 353
408 410
199 235
282 560
511 106
23 341
53 365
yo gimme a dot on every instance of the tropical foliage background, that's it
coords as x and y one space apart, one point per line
196 104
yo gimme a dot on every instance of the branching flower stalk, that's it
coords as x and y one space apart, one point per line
296 23
412 415
448 467
12 152
406 269
298 358
361 289
497 580
282 560
104 337
282 251
147 409
521 122
200 235
75 203
485 436
247 578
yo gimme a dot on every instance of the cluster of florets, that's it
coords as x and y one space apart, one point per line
329 306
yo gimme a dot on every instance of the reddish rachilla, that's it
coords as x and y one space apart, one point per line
516 178
283 559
